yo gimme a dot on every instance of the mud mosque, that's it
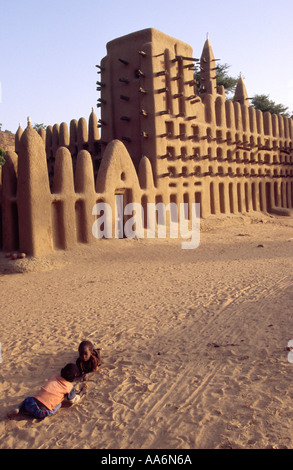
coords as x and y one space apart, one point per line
162 137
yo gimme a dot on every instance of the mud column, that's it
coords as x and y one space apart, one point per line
33 195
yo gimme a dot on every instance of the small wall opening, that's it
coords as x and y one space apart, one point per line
182 131
222 197
183 152
276 199
58 228
170 129
231 201
253 196
159 199
80 219
144 201
197 199
186 206
239 202
246 197
218 111
219 153
212 199
170 153
195 133
13 229
171 171
173 209
268 197
282 195
14 222
261 203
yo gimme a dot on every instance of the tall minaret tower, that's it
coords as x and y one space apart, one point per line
146 86
208 82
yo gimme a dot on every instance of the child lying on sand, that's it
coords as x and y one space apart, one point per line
89 358
49 399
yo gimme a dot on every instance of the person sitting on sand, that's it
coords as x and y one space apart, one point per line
49 398
89 358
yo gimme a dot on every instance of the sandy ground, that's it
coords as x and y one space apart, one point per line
193 341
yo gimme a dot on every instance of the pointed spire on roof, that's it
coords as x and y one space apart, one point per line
240 92
93 130
208 82
18 135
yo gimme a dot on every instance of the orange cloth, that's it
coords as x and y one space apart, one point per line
54 391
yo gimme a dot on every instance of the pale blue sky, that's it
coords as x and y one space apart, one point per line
49 48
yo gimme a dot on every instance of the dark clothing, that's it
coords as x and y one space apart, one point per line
92 364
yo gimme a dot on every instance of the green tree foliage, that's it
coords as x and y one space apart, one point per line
6 130
37 127
2 157
263 103
223 78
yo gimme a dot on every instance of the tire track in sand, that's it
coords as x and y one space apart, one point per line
203 373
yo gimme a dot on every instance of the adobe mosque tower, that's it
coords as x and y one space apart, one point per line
150 101
190 133
147 96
